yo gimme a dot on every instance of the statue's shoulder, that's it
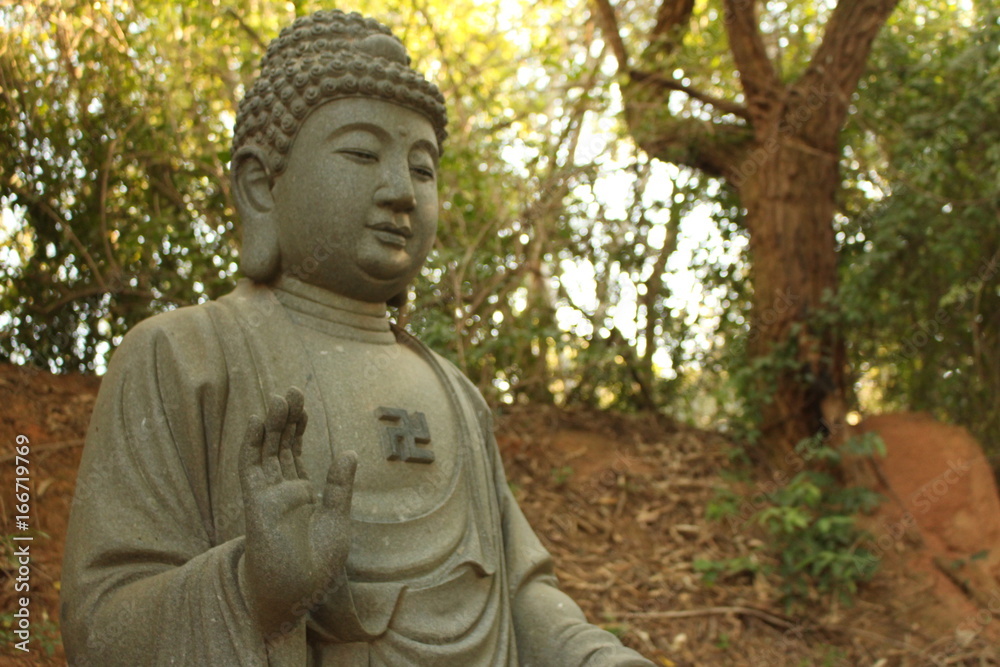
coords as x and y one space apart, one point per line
178 326
200 319
191 334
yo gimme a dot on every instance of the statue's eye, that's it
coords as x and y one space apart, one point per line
359 155
423 173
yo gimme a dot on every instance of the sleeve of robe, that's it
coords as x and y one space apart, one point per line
144 582
550 628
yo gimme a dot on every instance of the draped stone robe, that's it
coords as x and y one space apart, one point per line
443 567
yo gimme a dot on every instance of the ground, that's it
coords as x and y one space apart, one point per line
621 503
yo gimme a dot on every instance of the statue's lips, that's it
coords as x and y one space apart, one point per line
392 234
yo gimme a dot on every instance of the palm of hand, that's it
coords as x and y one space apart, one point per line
296 543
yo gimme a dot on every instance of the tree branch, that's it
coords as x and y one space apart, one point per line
30 199
672 17
840 58
715 148
94 290
441 42
254 36
604 12
655 286
102 204
757 76
766 616
661 81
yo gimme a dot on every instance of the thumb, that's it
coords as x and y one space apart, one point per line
249 466
340 482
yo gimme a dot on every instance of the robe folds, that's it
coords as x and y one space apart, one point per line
156 530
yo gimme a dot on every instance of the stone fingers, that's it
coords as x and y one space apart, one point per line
290 444
275 427
340 483
251 476
272 446
297 446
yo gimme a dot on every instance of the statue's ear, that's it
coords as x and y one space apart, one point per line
260 257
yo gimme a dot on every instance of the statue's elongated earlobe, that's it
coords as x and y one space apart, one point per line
260 257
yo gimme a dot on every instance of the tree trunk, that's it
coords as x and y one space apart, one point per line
789 196
781 154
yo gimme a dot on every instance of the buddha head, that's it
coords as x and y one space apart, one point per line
335 159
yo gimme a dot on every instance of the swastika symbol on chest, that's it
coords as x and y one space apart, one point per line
401 431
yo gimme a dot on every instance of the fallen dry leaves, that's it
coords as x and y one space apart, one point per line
618 500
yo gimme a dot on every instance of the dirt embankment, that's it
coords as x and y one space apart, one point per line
620 502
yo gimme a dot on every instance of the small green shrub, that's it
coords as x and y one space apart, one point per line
812 539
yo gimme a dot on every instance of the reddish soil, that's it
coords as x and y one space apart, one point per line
52 411
941 499
620 501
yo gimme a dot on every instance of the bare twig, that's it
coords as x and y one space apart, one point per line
767 617
661 81
247 29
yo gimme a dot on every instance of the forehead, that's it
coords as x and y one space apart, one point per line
380 117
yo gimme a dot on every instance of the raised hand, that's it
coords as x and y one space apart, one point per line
296 543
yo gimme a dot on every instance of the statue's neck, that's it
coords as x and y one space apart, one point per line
332 313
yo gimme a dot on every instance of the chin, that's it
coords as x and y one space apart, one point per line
391 276
375 290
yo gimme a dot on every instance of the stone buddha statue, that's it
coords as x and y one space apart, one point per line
283 476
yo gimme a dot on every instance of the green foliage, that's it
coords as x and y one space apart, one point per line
115 129
44 631
115 124
745 383
112 157
812 540
921 240
714 570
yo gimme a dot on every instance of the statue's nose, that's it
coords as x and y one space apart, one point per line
396 191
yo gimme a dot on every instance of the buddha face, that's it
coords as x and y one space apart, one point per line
356 208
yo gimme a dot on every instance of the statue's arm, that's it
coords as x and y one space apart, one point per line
550 627
144 581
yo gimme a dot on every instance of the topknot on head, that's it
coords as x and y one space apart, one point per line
321 57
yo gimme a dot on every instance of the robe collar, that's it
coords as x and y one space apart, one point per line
319 309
